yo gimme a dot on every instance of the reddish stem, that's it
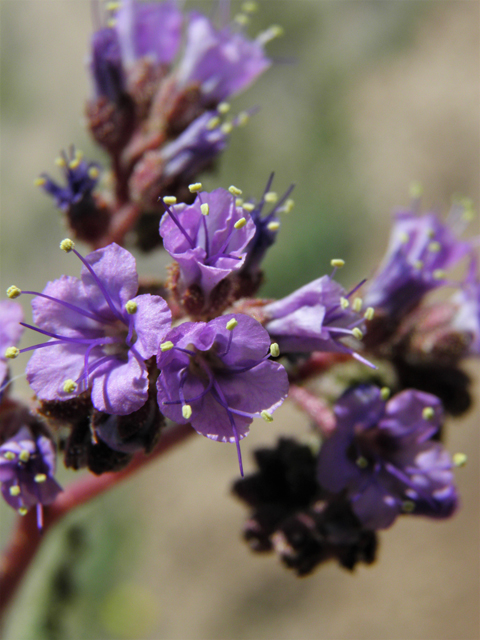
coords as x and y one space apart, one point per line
26 539
317 409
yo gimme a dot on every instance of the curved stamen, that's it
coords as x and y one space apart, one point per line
180 227
220 398
73 307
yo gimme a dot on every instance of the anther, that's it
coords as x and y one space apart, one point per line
241 19
361 462
195 187
275 31
416 189
67 245
238 202
274 350
23 511
170 200
408 506
439 274
273 226
240 223
166 346
385 393
369 313
249 7
69 386
11 353
111 22
231 324
248 206
434 246
113 6
459 459
93 173
226 128
213 123
288 206
74 164
234 191
357 305
344 303
60 162
24 455
13 292
9 455
187 411
39 182
40 477
337 263
418 264
357 333
404 237
223 107
428 413
271 197
242 118
205 209
15 490
266 416
131 306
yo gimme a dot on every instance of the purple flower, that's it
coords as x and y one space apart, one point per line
27 467
152 29
382 456
106 65
218 377
101 333
466 319
11 315
208 238
316 317
223 62
420 249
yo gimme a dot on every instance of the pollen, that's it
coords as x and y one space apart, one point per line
69 386
234 191
273 226
337 263
274 350
231 324
187 411
385 393
131 306
357 305
13 292
40 477
369 313
271 197
344 303
428 413
9 455
170 200
223 107
213 123
24 455
11 353
39 182
67 245
439 274
166 346
240 223
248 206
266 416
459 459
195 187
23 511
205 209
15 490
357 333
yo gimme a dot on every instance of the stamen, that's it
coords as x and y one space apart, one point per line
9 455
13 292
358 334
22 511
93 173
181 229
12 353
69 386
15 490
273 226
67 245
240 223
288 206
234 191
344 303
266 416
170 200
187 411
274 350
271 197
248 206
337 263
439 274
40 477
39 182
205 209
226 128
238 202
231 324
131 306
434 246
213 123
459 459
24 455
385 393
357 305
195 187
223 108
428 413
369 313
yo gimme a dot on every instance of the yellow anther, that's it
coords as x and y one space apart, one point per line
223 107
15 490
131 307
93 173
187 411
404 237
234 191
23 511
469 211
369 313
113 6
439 274
13 292
69 386
238 202
111 22
231 324
9 455
385 393
39 182
213 123
416 189
170 200
271 197
240 223
344 303
459 459
408 506
11 353
274 350
357 333
337 263
242 118
273 226
357 305
67 245
275 31
40 477
24 455
418 264
266 416
428 413
248 206
361 462
242 19
60 162
205 209
288 206
431 233
226 128
166 346
74 164
195 187
434 246
249 7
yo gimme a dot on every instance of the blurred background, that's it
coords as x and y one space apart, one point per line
366 97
